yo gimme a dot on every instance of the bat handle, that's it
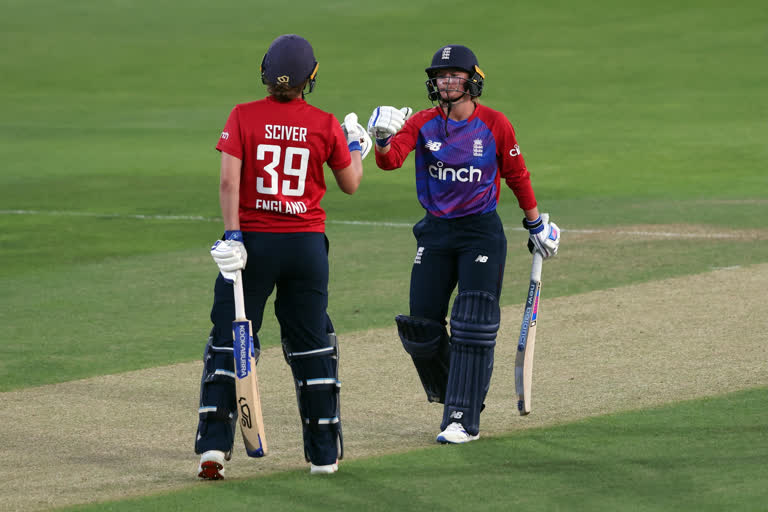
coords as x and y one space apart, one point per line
538 259
239 300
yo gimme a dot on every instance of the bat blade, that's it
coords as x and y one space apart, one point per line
525 349
247 390
527 341
246 383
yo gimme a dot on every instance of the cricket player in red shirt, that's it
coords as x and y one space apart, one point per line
272 182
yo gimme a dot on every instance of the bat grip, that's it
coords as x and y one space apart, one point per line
239 300
538 259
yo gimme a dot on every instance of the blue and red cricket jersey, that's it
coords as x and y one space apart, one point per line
459 174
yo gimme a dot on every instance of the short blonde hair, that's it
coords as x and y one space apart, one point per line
284 92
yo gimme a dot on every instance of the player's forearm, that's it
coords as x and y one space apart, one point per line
386 158
521 187
229 191
229 198
348 179
532 214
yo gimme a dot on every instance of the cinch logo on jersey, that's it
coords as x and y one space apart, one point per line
433 146
290 207
225 135
442 173
514 151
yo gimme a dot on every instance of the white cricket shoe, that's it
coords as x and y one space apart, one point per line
323 470
455 434
211 465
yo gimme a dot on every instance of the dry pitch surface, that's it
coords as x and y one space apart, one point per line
611 350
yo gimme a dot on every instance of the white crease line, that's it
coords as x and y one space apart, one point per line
655 233
56 213
370 223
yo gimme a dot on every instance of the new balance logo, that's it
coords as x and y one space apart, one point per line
417 259
433 146
456 415
446 53
481 259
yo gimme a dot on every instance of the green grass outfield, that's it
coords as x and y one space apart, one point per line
705 455
629 117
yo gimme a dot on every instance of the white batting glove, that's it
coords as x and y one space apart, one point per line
544 236
357 138
230 255
387 121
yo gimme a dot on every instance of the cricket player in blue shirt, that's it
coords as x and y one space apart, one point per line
462 150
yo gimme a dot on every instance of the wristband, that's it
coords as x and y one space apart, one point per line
383 142
234 235
355 146
536 226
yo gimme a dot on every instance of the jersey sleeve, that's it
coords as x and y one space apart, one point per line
401 145
512 165
340 157
230 140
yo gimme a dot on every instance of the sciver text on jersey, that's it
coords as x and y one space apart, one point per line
281 132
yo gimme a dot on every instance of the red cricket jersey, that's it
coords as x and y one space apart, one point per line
283 147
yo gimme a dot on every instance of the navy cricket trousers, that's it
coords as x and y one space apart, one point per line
297 263
469 251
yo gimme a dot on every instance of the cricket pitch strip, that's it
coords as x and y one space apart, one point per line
617 349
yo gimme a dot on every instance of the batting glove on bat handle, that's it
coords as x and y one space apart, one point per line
230 256
544 236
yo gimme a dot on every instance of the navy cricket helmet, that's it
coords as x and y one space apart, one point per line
455 56
289 60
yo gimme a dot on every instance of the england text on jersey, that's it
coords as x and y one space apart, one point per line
289 207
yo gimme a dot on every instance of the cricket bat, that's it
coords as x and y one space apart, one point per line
526 342
246 383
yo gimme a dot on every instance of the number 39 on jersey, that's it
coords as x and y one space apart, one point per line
294 164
